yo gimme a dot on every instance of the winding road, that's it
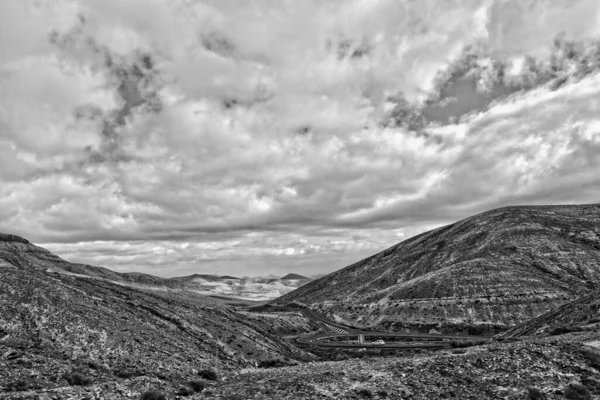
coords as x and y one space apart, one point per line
336 331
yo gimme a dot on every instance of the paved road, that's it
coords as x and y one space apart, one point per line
333 330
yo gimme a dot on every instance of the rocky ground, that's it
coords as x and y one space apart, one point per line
521 370
537 368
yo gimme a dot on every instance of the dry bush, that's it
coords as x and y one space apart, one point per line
153 395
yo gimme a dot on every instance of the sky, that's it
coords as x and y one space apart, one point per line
256 137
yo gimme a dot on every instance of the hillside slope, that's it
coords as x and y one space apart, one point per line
55 324
500 267
582 314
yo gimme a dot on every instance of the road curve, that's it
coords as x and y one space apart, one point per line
333 330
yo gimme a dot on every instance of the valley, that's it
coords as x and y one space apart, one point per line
418 321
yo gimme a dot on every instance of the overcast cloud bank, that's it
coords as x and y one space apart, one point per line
256 137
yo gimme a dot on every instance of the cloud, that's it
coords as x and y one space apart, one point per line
246 137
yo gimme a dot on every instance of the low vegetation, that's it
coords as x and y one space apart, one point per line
153 395
208 374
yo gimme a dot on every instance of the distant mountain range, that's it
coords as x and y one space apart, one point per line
257 288
21 252
500 267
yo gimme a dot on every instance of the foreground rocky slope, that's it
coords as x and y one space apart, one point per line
58 332
534 369
498 268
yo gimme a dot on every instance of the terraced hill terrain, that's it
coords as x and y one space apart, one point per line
495 269
57 329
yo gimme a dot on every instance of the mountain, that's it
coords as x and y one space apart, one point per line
498 268
59 330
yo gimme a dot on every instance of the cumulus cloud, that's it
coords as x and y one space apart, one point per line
270 137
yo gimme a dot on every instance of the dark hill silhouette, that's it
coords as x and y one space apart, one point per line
501 267
294 276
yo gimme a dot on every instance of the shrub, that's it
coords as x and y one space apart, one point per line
592 384
593 357
197 386
382 393
18 386
77 378
363 392
577 391
183 391
208 374
534 393
153 395
95 365
125 372
561 329
275 363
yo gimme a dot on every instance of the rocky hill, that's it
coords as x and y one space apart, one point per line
60 330
498 268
